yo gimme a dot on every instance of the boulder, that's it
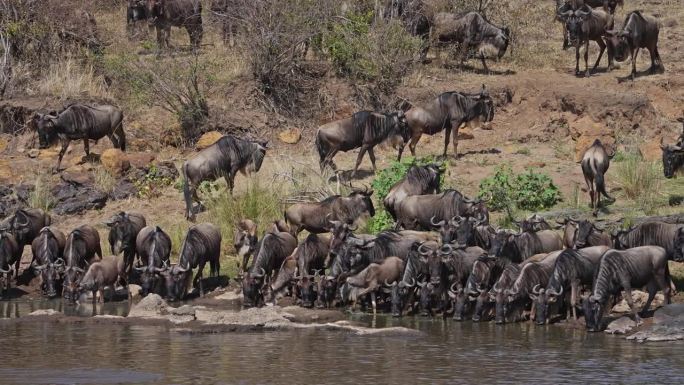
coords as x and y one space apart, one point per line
140 159
152 306
44 312
639 297
49 153
622 325
671 330
669 312
115 161
465 133
134 290
77 175
207 139
291 136
71 198
123 189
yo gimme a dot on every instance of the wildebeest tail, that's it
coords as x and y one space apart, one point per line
186 185
322 149
601 184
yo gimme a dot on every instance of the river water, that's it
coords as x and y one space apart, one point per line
36 353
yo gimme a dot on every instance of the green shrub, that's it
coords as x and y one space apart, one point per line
526 191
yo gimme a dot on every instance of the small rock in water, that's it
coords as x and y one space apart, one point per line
151 306
622 325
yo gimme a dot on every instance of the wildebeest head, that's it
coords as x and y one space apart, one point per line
326 287
245 240
458 295
252 284
154 8
574 21
617 42
258 152
74 252
21 227
673 158
339 232
307 289
47 263
582 232
533 223
398 295
8 249
484 109
593 312
363 199
46 126
498 241
541 300
434 259
121 230
176 279
425 297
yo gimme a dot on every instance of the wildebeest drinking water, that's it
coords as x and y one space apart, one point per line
164 14
48 248
595 163
82 245
123 229
365 130
638 31
448 112
101 274
10 254
222 159
25 225
153 246
80 121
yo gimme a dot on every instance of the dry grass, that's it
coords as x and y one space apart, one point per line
104 181
640 181
41 197
67 79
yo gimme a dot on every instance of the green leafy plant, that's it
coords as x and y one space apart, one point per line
152 184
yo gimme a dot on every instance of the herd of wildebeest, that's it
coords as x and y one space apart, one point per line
443 257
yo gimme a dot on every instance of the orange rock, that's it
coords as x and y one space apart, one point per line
140 159
115 161
291 136
207 139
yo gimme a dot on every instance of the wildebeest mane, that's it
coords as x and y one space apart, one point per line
384 246
567 267
530 275
606 279
198 244
269 246
238 149
421 176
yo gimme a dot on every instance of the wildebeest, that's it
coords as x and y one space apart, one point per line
498 292
80 121
590 234
286 276
584 25
519 246
26 224
534 222
466 231
426 211
447 113
153 246
673 157
485 273
624 270
224 11
82 246
315 217
416 269
10 253
638 31
123 229
419 180
222 159
245 240
48 249
472 32
595 163
360 253
101 274
569 226
373 277
164 14
202 244
135 11
572 269
365 130
459 263
669 236
271 252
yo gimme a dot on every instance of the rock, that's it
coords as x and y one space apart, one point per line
71 198
123 189
152 306
538 164
291 136
639 297
115 161
48 153
6 173
465 133
77 175
671 330
44 312
269 316
669 312
622 325
584 131
134 290
229 296
33 153
651 150
207 139
140 159
184 310
109 316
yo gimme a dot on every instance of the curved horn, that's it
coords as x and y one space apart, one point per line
59 262
137 268
353 227
446 246
453 289
39 267
78 269
558 294
438 224
390 284
3 271
420 249
421 284
535 289
263 272
412 284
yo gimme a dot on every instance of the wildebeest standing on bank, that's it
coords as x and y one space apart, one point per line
48 249
123 229
164 14
639 31
315 217
419 180
471 31
153 246
669 236
673 157
202 244
222 159
82 245
104 273
584 25
80 121
365 130
624 270
426 211
448 112
595 163
10 253
26 224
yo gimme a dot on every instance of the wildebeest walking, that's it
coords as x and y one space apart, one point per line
80 121
48 249
202 244
164 14
669 236
638 31
448 112
584 25
153 246
222 159
364 130
595 163
624 270
123 229
316 217
673 157
472 32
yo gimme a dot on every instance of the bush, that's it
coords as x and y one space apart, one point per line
526 191
640 180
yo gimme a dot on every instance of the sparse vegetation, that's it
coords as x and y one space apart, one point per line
41 196
640 181
152 184
104 181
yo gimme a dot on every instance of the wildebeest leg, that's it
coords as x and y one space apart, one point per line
230 180
659 62
651 53
456 126
373 302
589 180
86 147
634 59
94 298
62 151
198 277
652 290
371 155
664 285
414 142
329 159
447 136
574 290
484 64
577 57
632 306
359 159
586 59
602 47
